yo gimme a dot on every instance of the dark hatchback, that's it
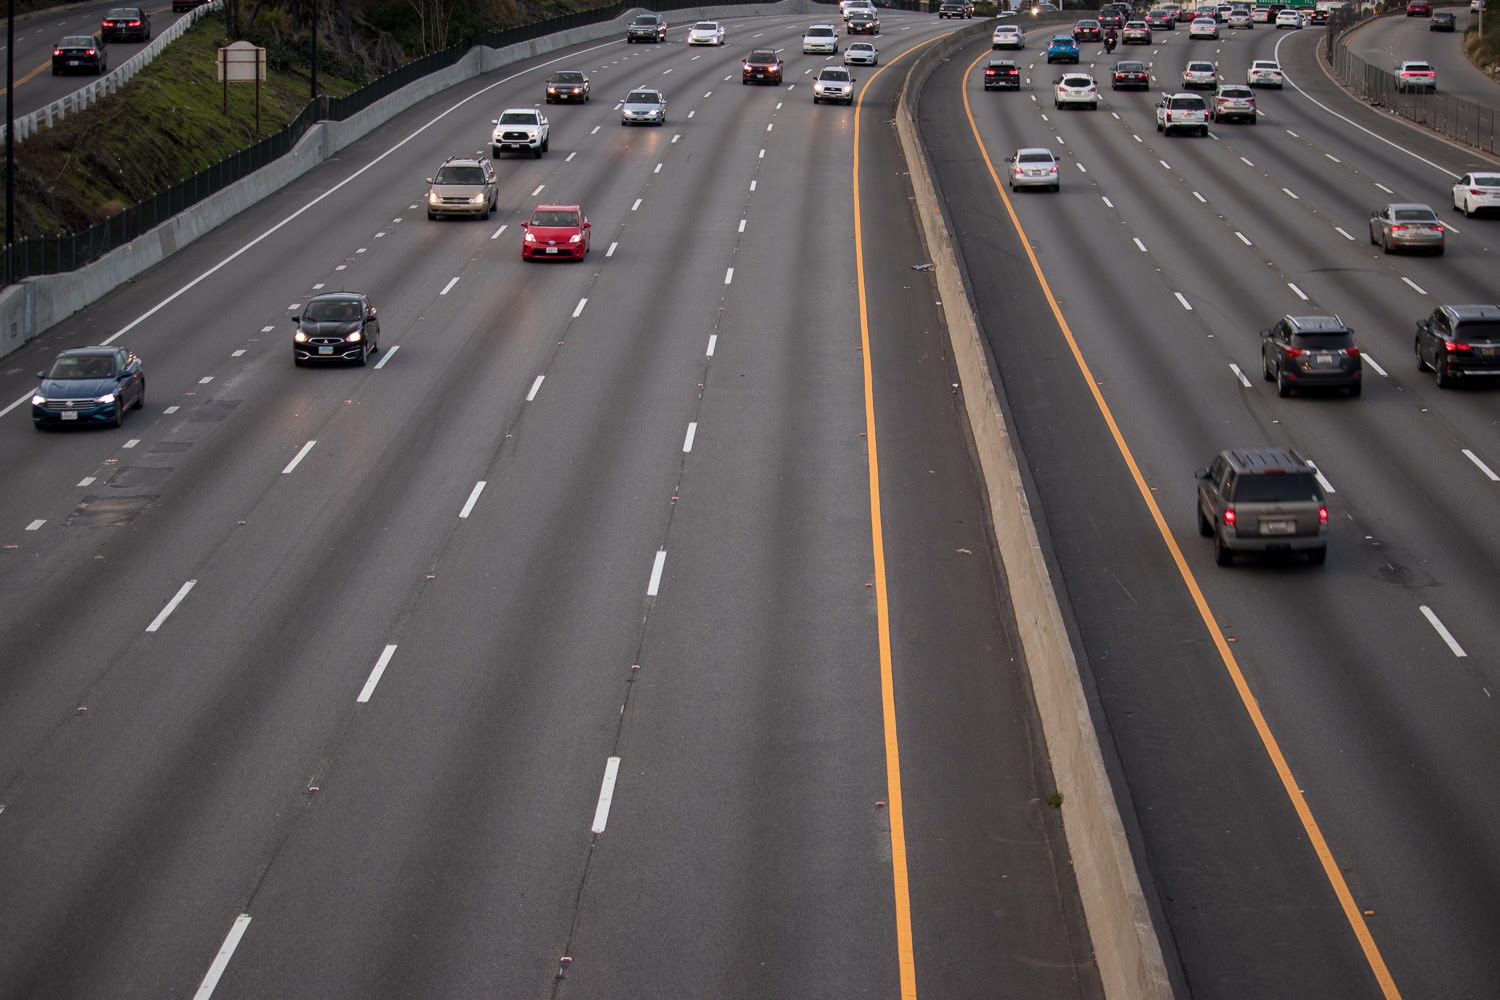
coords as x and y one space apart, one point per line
1002 74
79 54
89 385
128 24
761 66
1130 74
336 326
1443 20
1308 352
1460 343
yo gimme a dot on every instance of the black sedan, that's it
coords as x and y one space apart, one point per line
1002 74
88 385
567 85
336 326
79 54
131 24
1130 74
1442 20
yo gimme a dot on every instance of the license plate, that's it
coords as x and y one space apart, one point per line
75 62
1485 351
552 249
1278 527
69 415
325 350
1323 360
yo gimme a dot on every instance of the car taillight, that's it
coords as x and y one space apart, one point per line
135 24
58 52
1438 227
1398 229
1322 517
1092 89
1053 169
88 52
1295 352
989 72
1228 515
1457 347
1019 170
1471 190
1352 352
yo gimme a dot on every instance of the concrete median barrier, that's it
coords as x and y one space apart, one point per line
1127 949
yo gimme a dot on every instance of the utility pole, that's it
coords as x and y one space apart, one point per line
10 138
314 49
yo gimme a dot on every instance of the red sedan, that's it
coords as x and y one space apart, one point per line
555 231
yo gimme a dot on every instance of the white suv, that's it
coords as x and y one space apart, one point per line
524 129
820 39
1076 89
833 83
1182 111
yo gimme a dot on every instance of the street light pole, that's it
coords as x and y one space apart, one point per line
314 49
10 136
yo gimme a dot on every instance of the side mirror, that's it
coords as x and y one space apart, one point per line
587 224
296 318
372 312
1201 473
1010 159
44 374
429 180
494 121
1266 332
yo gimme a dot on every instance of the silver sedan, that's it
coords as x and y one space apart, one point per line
1407 226
1034 166
644 106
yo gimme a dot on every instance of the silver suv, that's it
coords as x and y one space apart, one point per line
463 185
1262 500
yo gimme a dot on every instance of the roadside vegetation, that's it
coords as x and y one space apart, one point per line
168 123
1484 51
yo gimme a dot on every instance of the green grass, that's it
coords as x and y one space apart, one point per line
164 126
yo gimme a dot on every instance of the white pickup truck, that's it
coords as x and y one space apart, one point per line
520 129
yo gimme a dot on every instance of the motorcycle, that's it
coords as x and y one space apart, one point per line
1109 41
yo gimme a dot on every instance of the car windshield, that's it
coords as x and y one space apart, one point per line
1236 92
567 77
820 32
519 117
762 56
1034 158
647 20
1480 331
705 26
1062 40
77 42
1415 215
1285 488
1487 180
459 175
641 97
1262 64
79 366
861 47
332 311
555 219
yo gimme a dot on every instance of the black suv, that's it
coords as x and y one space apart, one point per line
1305 352
336 326
1262 500
762 65
1460 342
646 28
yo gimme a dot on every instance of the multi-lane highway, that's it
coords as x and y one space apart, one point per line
624 629
1307 749
36 35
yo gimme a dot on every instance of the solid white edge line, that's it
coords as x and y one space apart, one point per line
656 567
380 665
1185 303
1373 363
606 794
1482 467
449 286
369 165
161 616
687 442
578 309
221 960
389 353
1447 636
534 387
1239 375
473 499
713 340
1322 479
299 457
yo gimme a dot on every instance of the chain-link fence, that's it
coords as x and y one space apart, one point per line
1468 122
38 255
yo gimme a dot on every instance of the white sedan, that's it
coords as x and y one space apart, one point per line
1204 27
1288 19
1477 192
1008 36
706 33
1264 73
861 54
821 39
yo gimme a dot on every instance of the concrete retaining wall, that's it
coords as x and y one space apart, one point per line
34 305
1126 947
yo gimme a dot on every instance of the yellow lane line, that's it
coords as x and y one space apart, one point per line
1231 665
29 76
904 953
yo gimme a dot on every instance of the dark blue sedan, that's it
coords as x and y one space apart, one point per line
89 385
1062 48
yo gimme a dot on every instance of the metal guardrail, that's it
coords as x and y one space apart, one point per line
111 82
1468 122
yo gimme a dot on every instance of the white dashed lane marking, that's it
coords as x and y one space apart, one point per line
1488 472
380 665
1447 637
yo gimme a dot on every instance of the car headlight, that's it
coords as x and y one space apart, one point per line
530 238
355 337
432 198
300 337
108 397
551 90
38 400
576 238
478 199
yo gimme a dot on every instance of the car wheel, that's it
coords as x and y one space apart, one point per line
1222 553
1205 526
1203 132
1417 346
1265 368
431 216
1385 245
1283 387
140 400
1318 556
547 143
55 72
1373 240
119 420
1444 376
364 354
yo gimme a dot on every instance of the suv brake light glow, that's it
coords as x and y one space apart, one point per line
1228 515
1322 516
1455 346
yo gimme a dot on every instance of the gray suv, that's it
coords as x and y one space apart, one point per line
463 185
1262 500
1306 352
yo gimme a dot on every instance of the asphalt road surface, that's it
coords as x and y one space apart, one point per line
1344 841
36 35
544 655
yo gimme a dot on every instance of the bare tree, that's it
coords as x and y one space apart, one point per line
434 21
